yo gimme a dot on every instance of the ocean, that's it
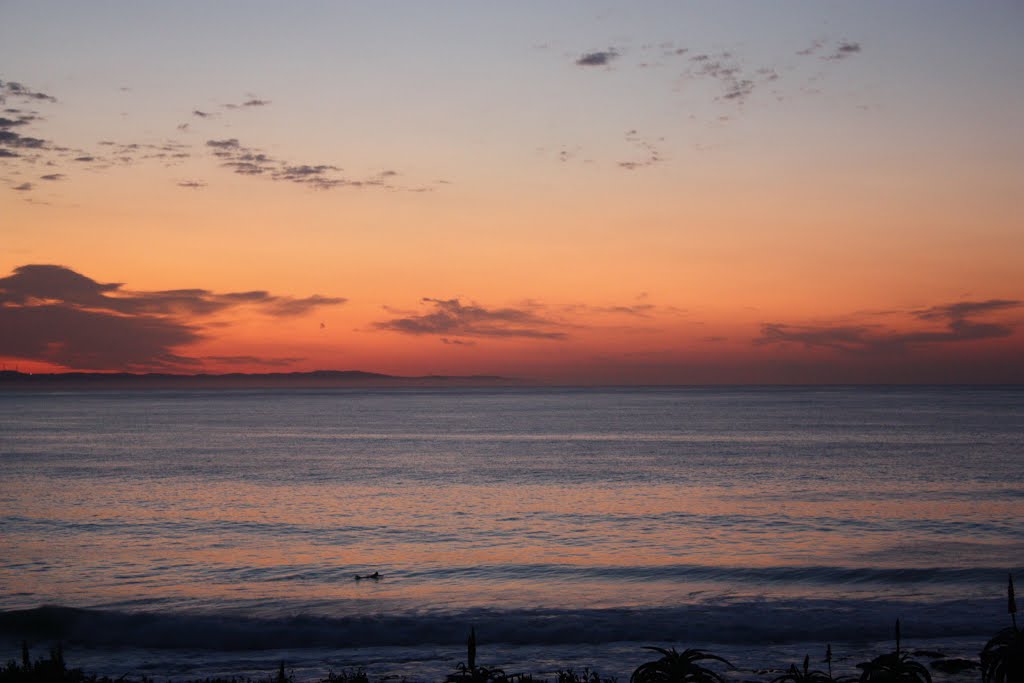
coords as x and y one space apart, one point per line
198 533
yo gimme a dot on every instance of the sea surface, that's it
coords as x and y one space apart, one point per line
195 533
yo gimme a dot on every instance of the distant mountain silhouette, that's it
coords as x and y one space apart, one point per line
13 379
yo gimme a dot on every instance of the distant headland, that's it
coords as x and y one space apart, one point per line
13 379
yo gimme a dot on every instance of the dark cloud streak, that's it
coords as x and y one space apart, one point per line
736 84
650 151
11 139
845 50
254 102
93 340
253 360
956 319
599 58
52 313
249 161
450 317
17 90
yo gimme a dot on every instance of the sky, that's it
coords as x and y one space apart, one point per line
570 193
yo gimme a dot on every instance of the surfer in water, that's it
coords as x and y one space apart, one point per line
374 576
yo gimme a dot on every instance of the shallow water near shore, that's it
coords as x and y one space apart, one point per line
193 533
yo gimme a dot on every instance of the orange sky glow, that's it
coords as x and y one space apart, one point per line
712 193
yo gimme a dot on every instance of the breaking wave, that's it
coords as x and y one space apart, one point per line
738 623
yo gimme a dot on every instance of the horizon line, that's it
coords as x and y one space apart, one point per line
328 378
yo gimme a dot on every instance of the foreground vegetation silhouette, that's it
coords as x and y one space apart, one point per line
894 667
678 667
1001 661
687 666
1002 658
469 672
808 675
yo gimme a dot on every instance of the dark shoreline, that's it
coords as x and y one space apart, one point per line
53 629
939 666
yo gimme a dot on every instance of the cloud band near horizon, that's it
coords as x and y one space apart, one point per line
54 314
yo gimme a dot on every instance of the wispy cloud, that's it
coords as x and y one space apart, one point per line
724 75
15 90
452 318
21 118
598 58
736 83
958 324
845 50
11 139
842 337
736 80
457 342
27 149
253 102
634 310
287 306
650 153
832 50
815 46
956 312
250 161
33 283
23 148
278 362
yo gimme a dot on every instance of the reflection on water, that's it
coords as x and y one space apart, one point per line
270 502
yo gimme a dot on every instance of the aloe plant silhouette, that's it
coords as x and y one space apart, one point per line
471 673
807 675
895 667
678 667
586 676
1011 601
1002 658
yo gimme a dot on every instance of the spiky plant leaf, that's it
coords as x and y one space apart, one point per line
807 675
678 667
1002 658
1011 602
895 667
